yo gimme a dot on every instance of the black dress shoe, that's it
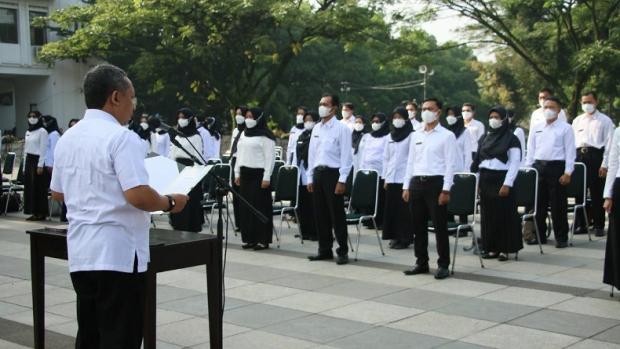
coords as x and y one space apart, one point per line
561 244
399 246
340 260
260 247
442 273
502 257
599 232
581 230
417 269
320 257
489 255
248 246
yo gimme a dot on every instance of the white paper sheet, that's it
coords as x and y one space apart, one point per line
187 179
162 171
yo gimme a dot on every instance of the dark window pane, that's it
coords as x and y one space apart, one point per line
38 36
8 25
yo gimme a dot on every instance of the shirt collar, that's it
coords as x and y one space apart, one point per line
98 114
330 123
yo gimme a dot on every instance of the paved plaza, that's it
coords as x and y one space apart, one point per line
277 299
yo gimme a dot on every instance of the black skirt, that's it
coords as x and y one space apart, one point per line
611 273
397 222
35 188
191 217
252 229
307 223
500 225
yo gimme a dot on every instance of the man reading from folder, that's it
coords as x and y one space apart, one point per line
99 173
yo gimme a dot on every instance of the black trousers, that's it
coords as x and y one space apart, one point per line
35 188
424 206
611 273
329 212
110 309
307 222
236 201
254 231
397 216
592 158
551 194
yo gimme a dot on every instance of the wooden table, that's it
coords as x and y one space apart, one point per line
170 250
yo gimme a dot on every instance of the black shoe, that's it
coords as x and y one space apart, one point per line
442 273
321 257
260 247
502 257
535 242
489 255
417 269
399 246
248 246
237 230
599 232
344 259
581 230
561 244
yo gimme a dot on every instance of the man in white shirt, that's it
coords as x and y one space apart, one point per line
551 150
329 164
474 127
538 115
348 117
105 187
293 135
428 179
593 131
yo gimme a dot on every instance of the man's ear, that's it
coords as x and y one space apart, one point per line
114 98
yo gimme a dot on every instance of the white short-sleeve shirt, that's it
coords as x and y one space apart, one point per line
95 162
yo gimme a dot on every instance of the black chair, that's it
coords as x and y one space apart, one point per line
576 188
363 203
209 203
463 202
213 161
7 169
526 195
279 151
286 190
274 175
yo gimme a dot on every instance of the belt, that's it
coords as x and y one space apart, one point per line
325 168
585 150
550 162
426 178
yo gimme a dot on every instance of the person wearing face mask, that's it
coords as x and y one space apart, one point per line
412 109
397 222
160 139
191 218
211 138
371 150
474 127
329 159
428 179
611 193
144 132
593 131
51 126
236 134
295 131
551 150
348 115
359 130
464 143
538 115
307 224
497 162
35 187
255 161
518 132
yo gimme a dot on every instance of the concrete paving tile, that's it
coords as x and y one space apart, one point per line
10 345
192 331
460 287
611 335
169 316
461 345
197 305
26 318
442 325
372 312
260 339
527 296
487 310
307 281
382 337
10 308
167 293
360 289
260 292
594 344
317 328
571 324
509 337
313 302
420 299
260 315
591 306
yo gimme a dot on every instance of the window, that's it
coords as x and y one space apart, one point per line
38 35
8 25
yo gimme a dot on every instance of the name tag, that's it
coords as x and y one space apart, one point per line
580 130
316 136
539 131
418 143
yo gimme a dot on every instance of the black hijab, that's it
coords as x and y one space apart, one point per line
154 124
357 136
261 128
240 128
496 143
399 134
458 128
303 141
190 129
213 126
51 124
39 123
144 134
385 127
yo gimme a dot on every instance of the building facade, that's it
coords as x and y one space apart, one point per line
27 84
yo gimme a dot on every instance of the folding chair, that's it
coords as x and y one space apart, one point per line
576 188
526 195
287 189
279 151
274 175
7 169
463 201
210 204
364 199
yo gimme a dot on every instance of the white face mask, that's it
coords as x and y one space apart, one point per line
467 115
33 121
428 116
324 111
541 102
346 114
144 125
358 127
550 114
588 108
398 123
451 119
299 119
239 119
250 123
495 123
183 122
376 126
411 114
308 125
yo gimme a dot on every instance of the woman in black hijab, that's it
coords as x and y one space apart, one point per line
359 130
497 160
191 218
253 168
307 224
35 185
236 134
397 221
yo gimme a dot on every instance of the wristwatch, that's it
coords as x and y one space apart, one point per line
171 203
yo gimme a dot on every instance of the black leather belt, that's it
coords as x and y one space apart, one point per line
325 168
585 150
550 162
426 178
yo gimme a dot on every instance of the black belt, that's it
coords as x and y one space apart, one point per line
550 162
585 150
325 168
422 179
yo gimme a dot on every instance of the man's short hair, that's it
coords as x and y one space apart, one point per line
414 104
554 99
590 93
433 99
546 90
334 97
100 82
472 106
349 105
303 108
